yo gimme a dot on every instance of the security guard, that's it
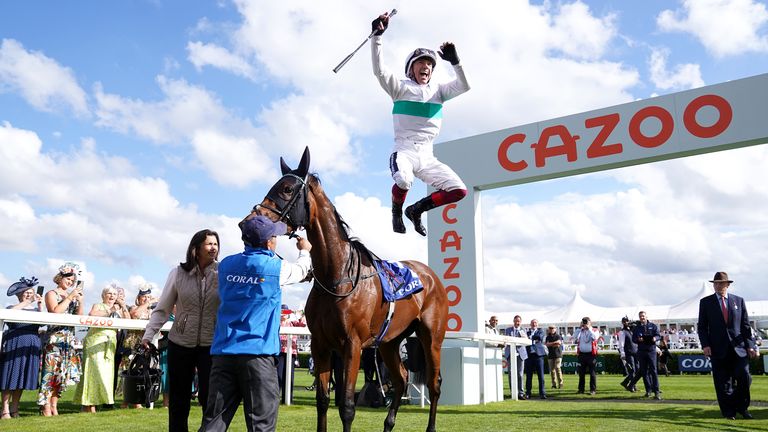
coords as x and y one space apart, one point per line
645 336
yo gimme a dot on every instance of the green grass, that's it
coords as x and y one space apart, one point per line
689 405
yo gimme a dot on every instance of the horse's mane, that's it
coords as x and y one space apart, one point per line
342 224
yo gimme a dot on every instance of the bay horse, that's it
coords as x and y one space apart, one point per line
345 309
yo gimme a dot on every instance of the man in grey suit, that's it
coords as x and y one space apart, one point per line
521 355
726 338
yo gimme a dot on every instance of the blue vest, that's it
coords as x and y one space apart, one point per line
248 321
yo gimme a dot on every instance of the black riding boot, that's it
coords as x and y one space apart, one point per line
414 211
397 218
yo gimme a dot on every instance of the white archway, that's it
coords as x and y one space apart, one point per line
703 120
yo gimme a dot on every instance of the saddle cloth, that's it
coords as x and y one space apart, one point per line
397 280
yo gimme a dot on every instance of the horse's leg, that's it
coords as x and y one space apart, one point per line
390 352
351 368
322 393
431 347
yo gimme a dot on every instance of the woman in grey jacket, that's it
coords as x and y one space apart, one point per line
192 288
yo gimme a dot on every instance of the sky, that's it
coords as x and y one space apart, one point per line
125 127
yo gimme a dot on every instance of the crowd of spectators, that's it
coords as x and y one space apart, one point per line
50 359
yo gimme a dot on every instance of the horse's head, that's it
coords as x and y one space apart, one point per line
287 200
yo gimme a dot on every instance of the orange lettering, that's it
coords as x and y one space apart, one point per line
457 295
667 126
447 219
450 239
723 108
504 158
597 148
454 322
452 262
567 148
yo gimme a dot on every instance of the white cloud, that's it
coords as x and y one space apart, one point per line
231 160
41 81
684 76
579 34
185 109
674 221
202 54
724 27
94 204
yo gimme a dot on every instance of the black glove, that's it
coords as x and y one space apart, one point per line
448 53
381 20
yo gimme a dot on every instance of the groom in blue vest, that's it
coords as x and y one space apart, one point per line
246 340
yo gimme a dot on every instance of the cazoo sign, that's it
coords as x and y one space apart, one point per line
697 121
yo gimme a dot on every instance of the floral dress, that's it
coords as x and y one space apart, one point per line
95 387
61 361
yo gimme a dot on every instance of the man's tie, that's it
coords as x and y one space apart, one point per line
724 307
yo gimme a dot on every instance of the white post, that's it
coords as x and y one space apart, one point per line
288 369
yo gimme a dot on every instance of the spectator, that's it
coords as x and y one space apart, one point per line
140 309
586 349
61 362
535 361
554 344
20 354
120 351
247 343
144 303
664 357
193 289
628 353
285 321
520 355
645 335
491 327
162 347
96 386
726 338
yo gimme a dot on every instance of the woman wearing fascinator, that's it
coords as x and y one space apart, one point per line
20 355
61 363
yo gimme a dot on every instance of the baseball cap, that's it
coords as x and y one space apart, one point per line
257 230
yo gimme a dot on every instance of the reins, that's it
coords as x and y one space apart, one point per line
332 291
284 215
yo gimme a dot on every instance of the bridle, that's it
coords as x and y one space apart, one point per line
287 210
289 213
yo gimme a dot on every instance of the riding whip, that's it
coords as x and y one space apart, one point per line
349 57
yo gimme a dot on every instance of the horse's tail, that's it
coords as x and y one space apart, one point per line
417 362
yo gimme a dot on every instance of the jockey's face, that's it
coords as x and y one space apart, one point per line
422 70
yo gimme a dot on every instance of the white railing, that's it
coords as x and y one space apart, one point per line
46 318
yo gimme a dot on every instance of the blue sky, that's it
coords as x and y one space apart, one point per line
126 127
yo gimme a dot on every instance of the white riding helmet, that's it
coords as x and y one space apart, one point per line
417 54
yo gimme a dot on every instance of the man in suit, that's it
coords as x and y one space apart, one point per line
537 352
726 338
645 336
520 355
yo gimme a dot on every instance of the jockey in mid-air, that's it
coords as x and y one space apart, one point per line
417 116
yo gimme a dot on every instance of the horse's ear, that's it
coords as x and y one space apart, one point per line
303 168
284 167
